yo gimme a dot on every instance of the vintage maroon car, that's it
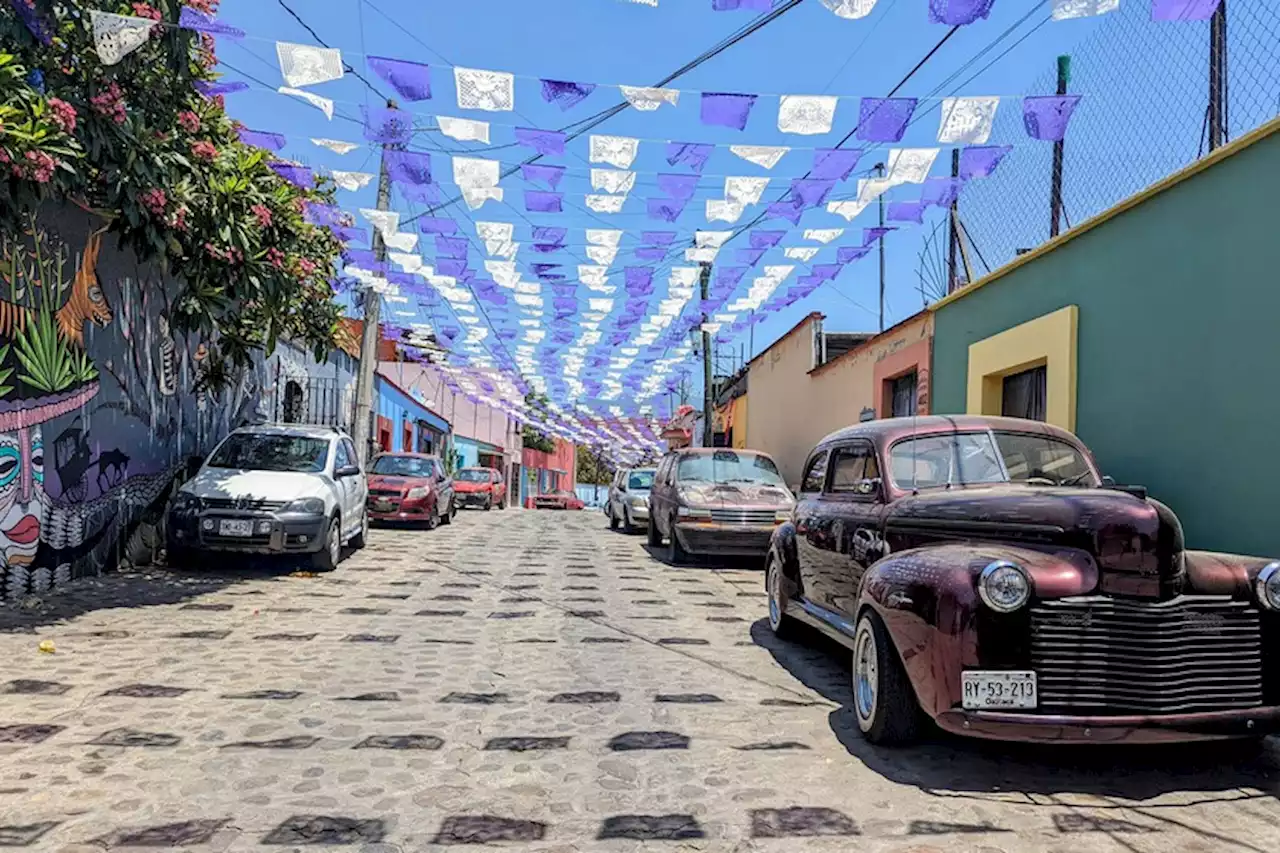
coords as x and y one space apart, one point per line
987 576
558 500
410 488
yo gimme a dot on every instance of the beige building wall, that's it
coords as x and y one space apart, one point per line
794 405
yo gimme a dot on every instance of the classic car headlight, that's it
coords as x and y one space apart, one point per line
1004 587
782 515
1267 586
693 512
304 506
418 493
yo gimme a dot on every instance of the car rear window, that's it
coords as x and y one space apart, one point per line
404 466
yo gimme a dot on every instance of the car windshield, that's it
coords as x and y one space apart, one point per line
640 481
473 475
404 466
967 458
729 466
268 452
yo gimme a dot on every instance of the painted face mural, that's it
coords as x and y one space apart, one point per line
23 502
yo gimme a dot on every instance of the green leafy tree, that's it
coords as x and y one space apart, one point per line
533 438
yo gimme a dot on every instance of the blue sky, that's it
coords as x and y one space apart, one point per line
806 51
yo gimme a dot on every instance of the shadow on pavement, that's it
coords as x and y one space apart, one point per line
947 765
708 562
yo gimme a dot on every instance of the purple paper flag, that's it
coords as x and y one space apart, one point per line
810 192
547 248
942 192
36 24
734 5
692 154
299 176
314 213
905 211
535 174
565 94
1046 116
657 238
565 291
210 89
825 271
411 79
1183 10
750 257
958 12
727 109
424 194
884 119
408 167
548 143
665 209
390 127
190 19
350 235
539 269
261 139
788 210
849 254
680 187
766 239
549 234
537 201
638 278
727 278
430 225
551 276
978 161
360 257
870 235
834 163
451 266
651 253
451 247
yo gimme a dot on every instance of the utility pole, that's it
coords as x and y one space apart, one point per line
1055 191
953 280
708 429
880 196
372 302
1218 77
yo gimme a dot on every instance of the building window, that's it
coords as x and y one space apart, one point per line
902 395
1025 394
293 398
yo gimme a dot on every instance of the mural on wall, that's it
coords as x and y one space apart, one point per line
97 410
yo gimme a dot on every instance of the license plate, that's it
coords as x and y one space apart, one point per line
992 689
382 506
230 527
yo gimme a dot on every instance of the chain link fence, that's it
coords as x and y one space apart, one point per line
1144 114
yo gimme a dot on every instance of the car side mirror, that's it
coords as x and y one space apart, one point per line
347 471
868 487
1108 482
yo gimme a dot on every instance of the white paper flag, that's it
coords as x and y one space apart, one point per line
602 305
606 203
604 236
588 274
910 165
648 99
475 197
850 9
475 172
401 241
304 65
494 91
823 235
503 231
324 105
721 210
869 189
336 146
1065 9
847 209
464 129
407 262
762 155
612 181
967 121
701 256
744 190
711 239
351 180
117 36
386 221
501 248
619 151
806 114
801 253
602 254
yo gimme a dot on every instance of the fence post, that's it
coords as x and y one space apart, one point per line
1055 192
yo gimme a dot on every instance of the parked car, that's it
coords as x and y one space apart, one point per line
411 488
628 502
716 501
558 500
480 487
987 577
272 489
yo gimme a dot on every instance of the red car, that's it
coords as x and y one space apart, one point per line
410 487
480 487
558 500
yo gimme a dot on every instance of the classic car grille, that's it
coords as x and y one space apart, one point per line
1112 656
240 503
743 516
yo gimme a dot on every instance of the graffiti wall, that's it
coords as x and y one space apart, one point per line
100 404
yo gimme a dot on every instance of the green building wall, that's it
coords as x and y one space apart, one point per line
1178 345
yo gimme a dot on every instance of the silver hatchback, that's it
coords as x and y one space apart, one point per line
628 503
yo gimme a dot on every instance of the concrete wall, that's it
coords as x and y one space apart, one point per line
793 405
1175 344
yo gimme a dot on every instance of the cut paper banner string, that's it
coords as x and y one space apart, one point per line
905 211
476 172
806 115
335 145
411 80
387 126
849 9
723 210
117 36
848 210
665 209
727 109
564 93
475 197
744 191
691 154
648 99
603 237
910 165
941 192
884 119
408 167
538 201
1046 116
611 181
967 121
958 12
981 161
823 235
192 19
606 203
350 181
761 155
1183 10
538 174
477 89
801 253
299 176
324 105
617 151
304 65
1066 9
464 129
545 142
680 187
261 139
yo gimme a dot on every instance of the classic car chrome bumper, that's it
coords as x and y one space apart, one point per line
1157 728
737 540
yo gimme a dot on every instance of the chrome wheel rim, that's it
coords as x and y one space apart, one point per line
775 595
335 542
866 683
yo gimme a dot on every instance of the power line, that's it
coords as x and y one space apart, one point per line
323 43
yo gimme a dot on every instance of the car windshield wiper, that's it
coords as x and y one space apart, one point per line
1072 481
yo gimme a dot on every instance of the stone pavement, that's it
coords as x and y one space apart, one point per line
534 681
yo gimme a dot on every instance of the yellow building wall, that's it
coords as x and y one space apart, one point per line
740 423
1048 340
794 406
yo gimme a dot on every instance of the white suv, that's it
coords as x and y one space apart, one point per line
276 489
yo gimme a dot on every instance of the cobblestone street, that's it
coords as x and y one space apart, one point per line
530 679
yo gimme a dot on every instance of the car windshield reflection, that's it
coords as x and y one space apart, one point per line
956 459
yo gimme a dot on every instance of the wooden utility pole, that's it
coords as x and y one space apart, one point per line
708 429
1055 185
